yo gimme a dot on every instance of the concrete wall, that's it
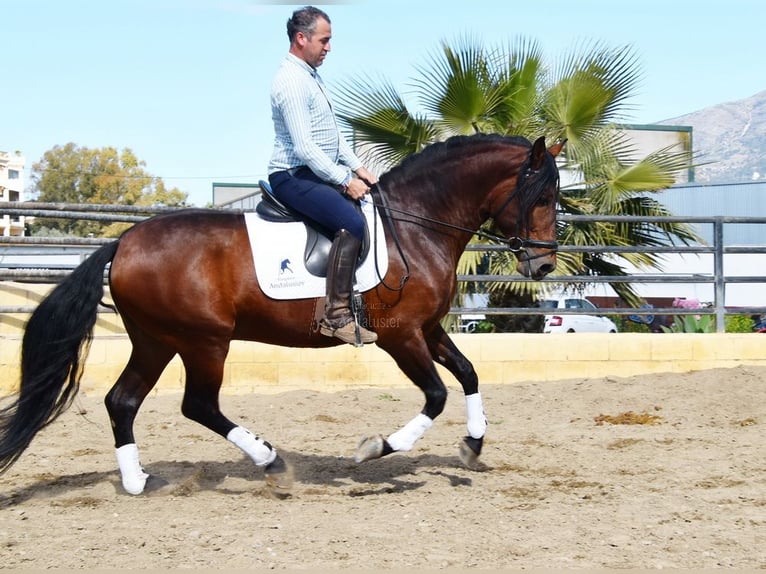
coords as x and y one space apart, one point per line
498 358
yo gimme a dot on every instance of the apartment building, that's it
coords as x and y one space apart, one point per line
11 190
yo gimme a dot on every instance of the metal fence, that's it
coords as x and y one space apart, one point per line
76 249
717 278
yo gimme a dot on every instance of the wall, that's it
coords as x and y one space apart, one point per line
498 358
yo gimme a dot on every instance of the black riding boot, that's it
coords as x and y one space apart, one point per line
339 320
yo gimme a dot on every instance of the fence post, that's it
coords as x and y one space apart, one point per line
720 283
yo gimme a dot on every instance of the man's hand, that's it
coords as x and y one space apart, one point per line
365 175
356 189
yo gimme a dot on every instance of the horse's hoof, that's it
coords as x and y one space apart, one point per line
150 485
372 447
470 449
279 478
155 485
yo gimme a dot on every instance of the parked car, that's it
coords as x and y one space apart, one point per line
591 323
470 323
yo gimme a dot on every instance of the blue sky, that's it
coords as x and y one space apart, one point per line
184 83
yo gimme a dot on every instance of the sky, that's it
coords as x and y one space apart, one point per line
185 83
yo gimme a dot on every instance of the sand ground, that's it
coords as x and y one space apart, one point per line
564 485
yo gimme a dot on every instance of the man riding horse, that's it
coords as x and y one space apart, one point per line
311 168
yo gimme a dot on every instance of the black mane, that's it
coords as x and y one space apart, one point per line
439 150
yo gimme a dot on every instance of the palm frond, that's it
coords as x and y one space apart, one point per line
601 266
456 87
381 125
518 70
588 90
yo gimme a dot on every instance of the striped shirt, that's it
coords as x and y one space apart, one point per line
305 128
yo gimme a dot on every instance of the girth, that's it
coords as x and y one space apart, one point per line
318 243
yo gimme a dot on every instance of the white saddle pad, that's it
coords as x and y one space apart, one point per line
278 257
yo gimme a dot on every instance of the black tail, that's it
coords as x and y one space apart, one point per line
56 340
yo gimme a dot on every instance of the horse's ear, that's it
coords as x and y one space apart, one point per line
555 149
537 155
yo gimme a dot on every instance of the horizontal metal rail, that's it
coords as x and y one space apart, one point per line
16 207
642 311
713 219
638 278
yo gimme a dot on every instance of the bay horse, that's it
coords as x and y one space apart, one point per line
184 284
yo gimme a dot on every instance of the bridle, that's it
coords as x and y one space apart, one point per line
516 244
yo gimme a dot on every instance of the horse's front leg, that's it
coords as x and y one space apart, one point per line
444 352
414 359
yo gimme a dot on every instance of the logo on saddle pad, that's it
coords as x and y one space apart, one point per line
291 260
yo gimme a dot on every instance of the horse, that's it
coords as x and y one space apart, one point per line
183 285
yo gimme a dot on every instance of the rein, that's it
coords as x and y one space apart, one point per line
514 244
376 190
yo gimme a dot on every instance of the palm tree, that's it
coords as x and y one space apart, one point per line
509 90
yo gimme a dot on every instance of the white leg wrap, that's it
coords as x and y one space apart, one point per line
261 452
477 420
133 476
405 438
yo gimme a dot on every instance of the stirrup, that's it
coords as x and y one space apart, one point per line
351 333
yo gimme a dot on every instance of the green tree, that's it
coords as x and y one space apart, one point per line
72 174
509 90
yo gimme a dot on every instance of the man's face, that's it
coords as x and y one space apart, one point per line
315 48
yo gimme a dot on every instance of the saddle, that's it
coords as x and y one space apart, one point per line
318 242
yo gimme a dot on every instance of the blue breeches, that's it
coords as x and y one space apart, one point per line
318 201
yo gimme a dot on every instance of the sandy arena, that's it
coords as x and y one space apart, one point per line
564 483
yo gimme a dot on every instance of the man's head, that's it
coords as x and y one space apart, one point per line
309 32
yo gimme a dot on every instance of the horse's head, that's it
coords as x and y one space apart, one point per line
527 213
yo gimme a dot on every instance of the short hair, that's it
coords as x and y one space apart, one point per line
304 20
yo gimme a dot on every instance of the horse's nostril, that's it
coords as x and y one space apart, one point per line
544 269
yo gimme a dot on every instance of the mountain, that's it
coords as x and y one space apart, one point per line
730 140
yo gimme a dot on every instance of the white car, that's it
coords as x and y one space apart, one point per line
594 323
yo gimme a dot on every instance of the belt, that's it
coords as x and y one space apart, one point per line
293 170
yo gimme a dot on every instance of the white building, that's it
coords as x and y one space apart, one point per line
11 190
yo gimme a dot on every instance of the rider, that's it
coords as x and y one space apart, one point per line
312 165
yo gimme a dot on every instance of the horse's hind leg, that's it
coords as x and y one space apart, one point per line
204 375
444 352
147 361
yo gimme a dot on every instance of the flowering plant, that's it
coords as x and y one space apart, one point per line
690 323
684 303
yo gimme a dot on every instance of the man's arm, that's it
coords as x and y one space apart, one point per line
349 158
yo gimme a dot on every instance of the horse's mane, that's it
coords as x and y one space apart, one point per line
439 150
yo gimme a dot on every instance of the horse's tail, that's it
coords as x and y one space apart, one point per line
56 341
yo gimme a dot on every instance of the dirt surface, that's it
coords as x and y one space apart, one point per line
654 471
